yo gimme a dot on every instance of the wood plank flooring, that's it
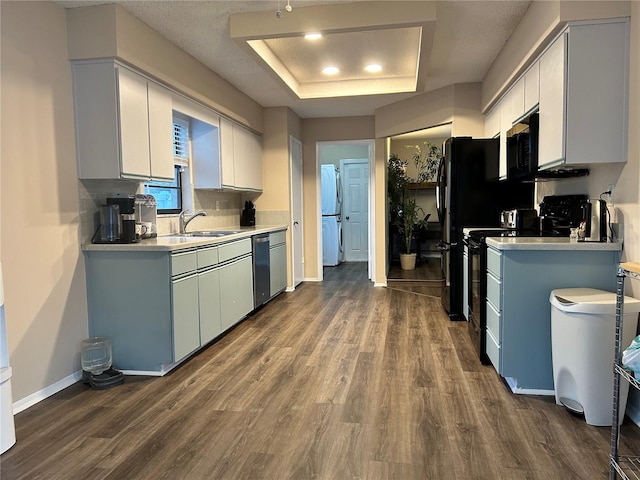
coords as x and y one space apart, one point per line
337 380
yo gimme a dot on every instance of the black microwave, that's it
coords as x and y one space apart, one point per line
522 149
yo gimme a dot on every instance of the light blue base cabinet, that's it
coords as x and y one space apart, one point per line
519 283
159 307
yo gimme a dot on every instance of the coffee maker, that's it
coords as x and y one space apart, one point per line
595 220
127 217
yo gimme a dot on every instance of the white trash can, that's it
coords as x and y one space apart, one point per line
583 323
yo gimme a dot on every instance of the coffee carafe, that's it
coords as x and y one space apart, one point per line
110 224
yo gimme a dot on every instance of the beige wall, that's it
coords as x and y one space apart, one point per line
280 123
318 130
456 104
45 295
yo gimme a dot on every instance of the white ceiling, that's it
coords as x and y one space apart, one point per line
467 37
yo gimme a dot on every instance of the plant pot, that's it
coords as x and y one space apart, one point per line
408 261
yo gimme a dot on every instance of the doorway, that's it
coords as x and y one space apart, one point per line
357 236
428 269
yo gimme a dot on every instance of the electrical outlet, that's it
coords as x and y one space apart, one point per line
217 204
610 189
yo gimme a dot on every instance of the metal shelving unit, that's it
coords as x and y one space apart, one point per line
627 467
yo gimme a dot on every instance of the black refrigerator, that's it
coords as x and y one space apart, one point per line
468 194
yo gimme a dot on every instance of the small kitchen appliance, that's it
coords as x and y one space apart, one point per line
248 215
146 213
127 217
595 221
520 219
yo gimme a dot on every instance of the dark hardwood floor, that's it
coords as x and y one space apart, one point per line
337 380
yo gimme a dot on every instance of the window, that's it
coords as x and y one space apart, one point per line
169 194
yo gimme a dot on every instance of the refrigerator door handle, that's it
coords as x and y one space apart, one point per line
440 190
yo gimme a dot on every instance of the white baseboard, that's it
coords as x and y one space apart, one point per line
46 392
380 284
314 279
513 385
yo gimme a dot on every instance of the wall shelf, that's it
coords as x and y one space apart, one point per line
422 185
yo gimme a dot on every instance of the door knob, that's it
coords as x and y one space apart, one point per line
347 218
295 223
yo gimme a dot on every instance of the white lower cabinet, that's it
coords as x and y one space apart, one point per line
277 262
209 301
186 316
236 291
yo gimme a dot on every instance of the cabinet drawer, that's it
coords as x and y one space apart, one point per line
493 322
276 238
494 262
183 262
494 292
207 257
234 249
493 352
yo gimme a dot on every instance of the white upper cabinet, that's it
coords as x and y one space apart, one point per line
492 122
531 87
226 152
247 156
241 157
123 124
516 98
584 96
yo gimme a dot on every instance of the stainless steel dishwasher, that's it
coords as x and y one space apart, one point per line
261 269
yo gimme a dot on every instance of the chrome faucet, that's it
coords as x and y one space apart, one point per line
185 221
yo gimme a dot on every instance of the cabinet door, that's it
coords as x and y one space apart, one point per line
278 269
505 125
516 97
531 87
236 291
247 157
160 132
492 122
227 154
597 93
552 104
186 317
209 302
134 124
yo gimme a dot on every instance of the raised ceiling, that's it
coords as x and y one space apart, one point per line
421 46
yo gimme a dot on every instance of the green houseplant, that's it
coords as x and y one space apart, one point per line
404 211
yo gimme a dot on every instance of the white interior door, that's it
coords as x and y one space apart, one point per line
296 210
355 209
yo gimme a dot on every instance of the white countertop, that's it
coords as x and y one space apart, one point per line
549 243
177 242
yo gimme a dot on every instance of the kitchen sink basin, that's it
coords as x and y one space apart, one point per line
209 233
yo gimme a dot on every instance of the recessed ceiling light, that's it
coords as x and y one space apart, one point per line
313 36
373 68
330 70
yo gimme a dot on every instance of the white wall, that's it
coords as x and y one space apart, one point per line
45 296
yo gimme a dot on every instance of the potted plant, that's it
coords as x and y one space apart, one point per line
405 213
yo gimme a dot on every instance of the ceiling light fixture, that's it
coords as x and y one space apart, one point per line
373 68
313 36
330 70
288 8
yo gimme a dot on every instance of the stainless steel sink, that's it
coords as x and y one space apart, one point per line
209 233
